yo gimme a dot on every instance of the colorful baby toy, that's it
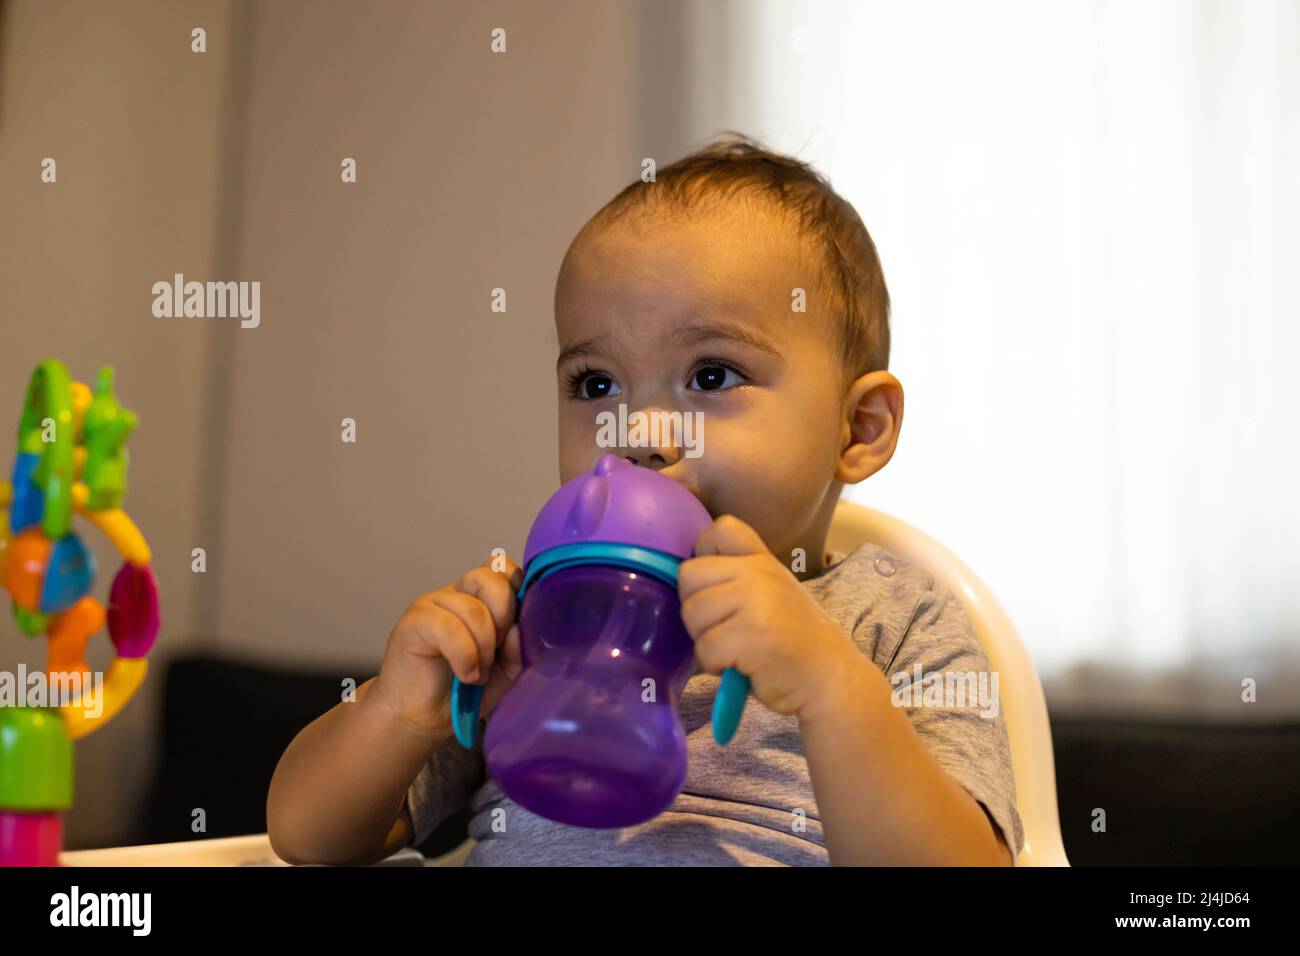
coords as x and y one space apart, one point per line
589 732
71 457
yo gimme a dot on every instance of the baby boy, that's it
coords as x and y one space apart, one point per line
739 289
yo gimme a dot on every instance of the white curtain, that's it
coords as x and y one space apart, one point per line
1089 220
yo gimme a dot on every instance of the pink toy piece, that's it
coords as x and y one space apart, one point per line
30 839
133 610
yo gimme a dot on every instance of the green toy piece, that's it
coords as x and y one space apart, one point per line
106 427
35 760
31 623
49 398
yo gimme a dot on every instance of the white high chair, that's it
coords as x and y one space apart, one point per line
1022 701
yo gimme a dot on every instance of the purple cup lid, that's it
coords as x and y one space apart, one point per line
620 503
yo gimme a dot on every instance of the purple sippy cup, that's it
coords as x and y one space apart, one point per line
589 732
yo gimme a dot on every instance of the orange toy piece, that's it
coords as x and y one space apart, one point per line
69 634
28 557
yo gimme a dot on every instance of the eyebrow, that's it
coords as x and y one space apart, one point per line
585 347
689 335
693 334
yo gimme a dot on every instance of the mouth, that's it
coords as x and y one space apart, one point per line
689 487
681 479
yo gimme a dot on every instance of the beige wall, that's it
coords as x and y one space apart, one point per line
475 171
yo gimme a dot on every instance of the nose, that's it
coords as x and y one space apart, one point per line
655 441
653 460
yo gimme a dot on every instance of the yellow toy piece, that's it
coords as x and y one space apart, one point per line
81 398
116 525
124 677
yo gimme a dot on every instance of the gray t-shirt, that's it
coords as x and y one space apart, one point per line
751 802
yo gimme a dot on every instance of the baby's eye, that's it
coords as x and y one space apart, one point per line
592 385
713 376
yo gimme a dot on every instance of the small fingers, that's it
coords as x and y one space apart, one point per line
477 622
512 572
441 633
709 607
496 590
697 573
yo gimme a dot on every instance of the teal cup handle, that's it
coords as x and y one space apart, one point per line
465 701
729 705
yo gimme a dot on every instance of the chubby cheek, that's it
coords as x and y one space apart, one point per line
577 442
773 482
744 482
760 507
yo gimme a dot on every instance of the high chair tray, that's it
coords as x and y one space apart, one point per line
252 850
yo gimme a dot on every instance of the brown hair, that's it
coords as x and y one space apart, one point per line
849 269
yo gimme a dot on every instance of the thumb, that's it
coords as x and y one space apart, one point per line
729 535
506 666
512 659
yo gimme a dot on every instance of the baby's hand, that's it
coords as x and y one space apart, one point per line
746 610
455 629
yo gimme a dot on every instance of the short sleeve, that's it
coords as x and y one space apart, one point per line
941 677
444 784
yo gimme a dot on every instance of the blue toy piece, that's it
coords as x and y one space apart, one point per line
69 575
28 504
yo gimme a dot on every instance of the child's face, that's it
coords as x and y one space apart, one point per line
660 311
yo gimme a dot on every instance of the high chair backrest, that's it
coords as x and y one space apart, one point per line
1021 695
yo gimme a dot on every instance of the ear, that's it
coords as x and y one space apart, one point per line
873 415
